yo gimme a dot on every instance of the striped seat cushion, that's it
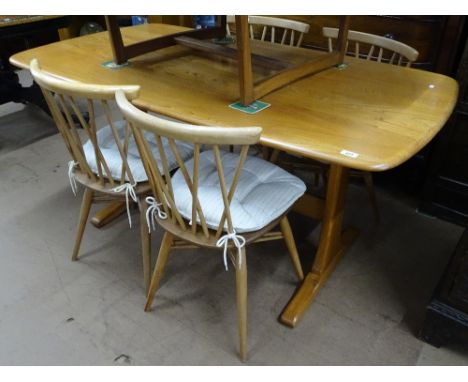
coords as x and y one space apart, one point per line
263 193
113 159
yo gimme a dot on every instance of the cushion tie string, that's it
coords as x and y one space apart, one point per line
129 191
71 176
153 209
238 241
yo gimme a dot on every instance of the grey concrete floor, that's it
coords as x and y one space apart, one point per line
34 123
90 312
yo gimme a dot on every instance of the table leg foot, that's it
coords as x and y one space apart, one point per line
312 283
109 213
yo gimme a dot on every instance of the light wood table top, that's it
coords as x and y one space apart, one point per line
383 113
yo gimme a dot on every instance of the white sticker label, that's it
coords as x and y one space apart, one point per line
349 154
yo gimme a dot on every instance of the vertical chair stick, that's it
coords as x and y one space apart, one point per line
71 124
186 176
48 96
283 38
91 130
222 184
165 165
242 158
107 111
196 156
125 149
151 168
299 41
92 119
263 33
166 194
91 137
72 144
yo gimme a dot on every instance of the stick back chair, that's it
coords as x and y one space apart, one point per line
373 47
376 48
292 31
213 193
104 164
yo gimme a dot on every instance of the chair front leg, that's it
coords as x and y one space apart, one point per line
145 245
159 268
241 292
84 213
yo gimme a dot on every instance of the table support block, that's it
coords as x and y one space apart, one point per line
310 206
109 213
313 282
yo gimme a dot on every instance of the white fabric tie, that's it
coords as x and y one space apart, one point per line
129 190
71 176
238 241
153 209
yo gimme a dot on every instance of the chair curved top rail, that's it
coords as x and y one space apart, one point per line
79 89
183 131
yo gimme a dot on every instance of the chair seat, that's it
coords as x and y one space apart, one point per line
113 159
264 191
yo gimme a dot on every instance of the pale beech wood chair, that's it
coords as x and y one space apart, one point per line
282 31
376 48
108 164
218 199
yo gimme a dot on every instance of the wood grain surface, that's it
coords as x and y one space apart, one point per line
367 116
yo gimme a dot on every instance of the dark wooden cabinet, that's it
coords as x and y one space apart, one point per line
435 37
447 313
446 189
19 33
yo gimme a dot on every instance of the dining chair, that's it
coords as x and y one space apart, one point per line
375 48
274 26
105 160
217 199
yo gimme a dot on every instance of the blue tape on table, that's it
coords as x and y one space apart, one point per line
112 65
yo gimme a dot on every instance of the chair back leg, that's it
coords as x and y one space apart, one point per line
291 245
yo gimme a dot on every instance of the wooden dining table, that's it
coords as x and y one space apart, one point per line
362 115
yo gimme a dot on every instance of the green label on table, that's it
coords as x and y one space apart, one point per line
253 108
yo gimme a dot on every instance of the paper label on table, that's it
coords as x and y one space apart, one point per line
349 154
253 108
112 65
